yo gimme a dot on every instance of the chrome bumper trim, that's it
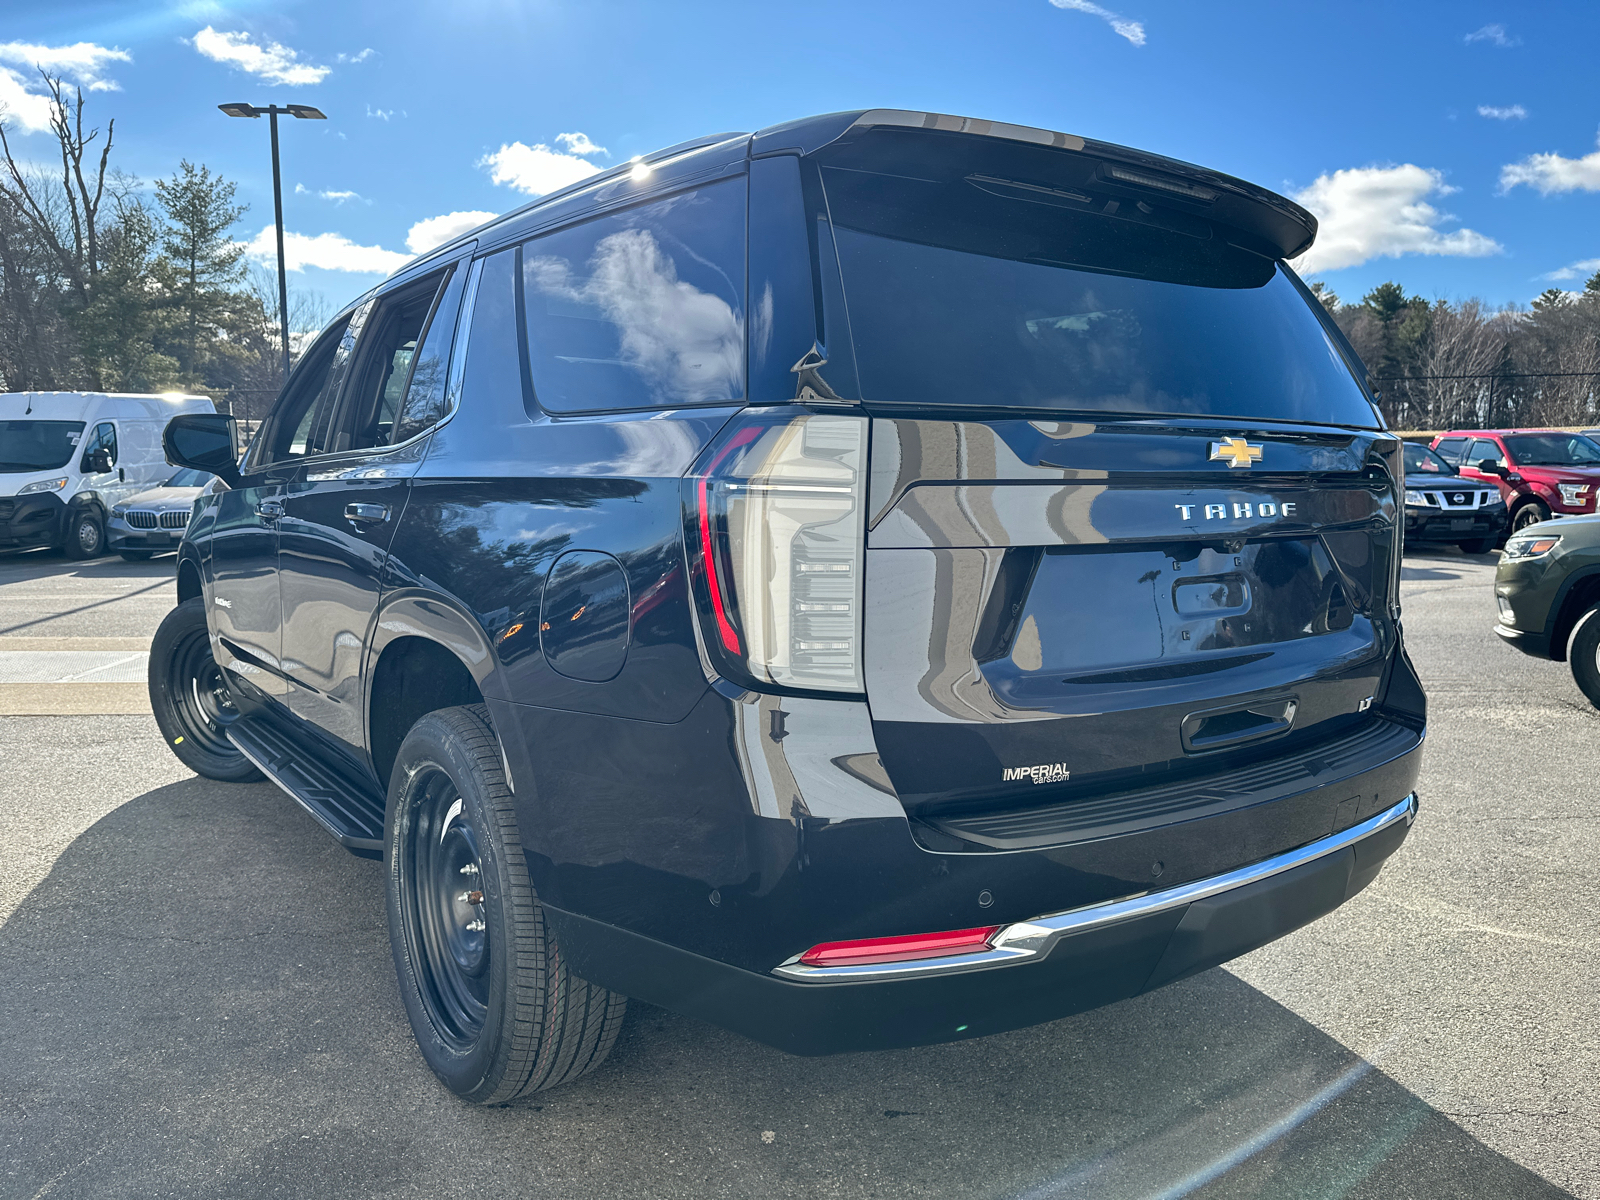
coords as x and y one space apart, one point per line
1029 940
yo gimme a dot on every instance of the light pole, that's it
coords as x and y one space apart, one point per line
304 112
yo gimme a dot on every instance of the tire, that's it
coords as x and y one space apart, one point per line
1479 545
137 555
494 1007
189 694
1584 654
1530 513
86 534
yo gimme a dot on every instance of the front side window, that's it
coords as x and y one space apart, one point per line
640 309
1482 449
388 358
1422 461
37 445
304 411
1552 450
104 437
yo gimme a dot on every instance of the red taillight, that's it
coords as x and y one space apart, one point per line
898 949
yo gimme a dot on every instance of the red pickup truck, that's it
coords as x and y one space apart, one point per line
1541 473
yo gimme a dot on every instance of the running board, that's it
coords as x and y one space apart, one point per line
348 808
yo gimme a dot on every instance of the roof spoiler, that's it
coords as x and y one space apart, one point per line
1272 224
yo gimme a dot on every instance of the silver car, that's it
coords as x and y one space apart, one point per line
154 521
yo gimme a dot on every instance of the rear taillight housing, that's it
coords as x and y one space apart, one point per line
776 530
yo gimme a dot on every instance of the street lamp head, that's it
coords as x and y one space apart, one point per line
306 112
239 110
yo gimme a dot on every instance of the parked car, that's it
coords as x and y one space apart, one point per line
145 525
1547 589
67 457
1442 507
1023 642
1541 473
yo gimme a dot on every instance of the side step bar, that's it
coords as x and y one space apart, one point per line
347 807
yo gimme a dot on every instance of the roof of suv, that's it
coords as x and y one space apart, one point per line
1272 224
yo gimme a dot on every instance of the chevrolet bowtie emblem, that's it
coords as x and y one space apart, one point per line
1236 451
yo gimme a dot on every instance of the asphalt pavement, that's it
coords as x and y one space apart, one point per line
197 999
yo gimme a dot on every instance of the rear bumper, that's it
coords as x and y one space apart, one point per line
1037 971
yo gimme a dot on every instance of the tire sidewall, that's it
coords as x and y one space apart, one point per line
187 620
74 542
1581 654
475 1073
1539 509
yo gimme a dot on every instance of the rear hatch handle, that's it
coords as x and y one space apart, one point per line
1223 728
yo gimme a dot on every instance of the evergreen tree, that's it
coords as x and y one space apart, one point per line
204 268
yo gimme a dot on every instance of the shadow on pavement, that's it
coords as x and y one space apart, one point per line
199 1001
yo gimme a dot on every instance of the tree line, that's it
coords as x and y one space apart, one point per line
107 287
1438 364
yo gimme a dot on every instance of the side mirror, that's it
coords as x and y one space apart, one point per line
1490 467
97 462
206 442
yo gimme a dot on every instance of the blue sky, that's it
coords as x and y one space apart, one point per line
1449 146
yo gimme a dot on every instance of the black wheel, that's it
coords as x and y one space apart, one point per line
137 555
189 694
1479 545
495 1009
1530 513
1583 652
86 534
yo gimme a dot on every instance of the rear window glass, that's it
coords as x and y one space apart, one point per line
640 309
979 291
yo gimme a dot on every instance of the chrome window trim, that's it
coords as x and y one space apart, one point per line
1030 940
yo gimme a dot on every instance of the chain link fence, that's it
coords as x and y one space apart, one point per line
1498 400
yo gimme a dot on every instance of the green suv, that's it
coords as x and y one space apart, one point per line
1547 588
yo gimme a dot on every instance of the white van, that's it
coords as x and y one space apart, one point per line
67 457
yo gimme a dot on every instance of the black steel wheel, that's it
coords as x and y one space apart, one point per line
190 697
495 1010
86 534
1530 513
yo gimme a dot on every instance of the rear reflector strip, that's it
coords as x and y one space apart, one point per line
899 949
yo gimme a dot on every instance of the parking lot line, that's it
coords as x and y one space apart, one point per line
72 699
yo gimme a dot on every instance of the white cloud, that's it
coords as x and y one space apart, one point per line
1495 35
271 61
1581 269
1372 212
436 231
301 189
355 58
381 113
1553 173
329 251
538 169
1132 30
82 62
28 111
1515 113
579 143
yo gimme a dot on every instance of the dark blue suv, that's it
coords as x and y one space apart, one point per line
885 579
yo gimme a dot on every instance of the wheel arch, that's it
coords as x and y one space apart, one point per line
424 654
1579 593
189 578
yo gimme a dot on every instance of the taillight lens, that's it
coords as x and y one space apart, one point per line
777 532
906 948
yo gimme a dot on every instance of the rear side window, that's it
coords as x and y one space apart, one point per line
969 287
1450 449
389 359
640 309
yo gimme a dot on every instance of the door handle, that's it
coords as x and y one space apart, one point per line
366 512
270 509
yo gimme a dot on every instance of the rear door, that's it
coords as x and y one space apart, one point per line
341 509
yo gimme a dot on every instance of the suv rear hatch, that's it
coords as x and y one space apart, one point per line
1131 520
